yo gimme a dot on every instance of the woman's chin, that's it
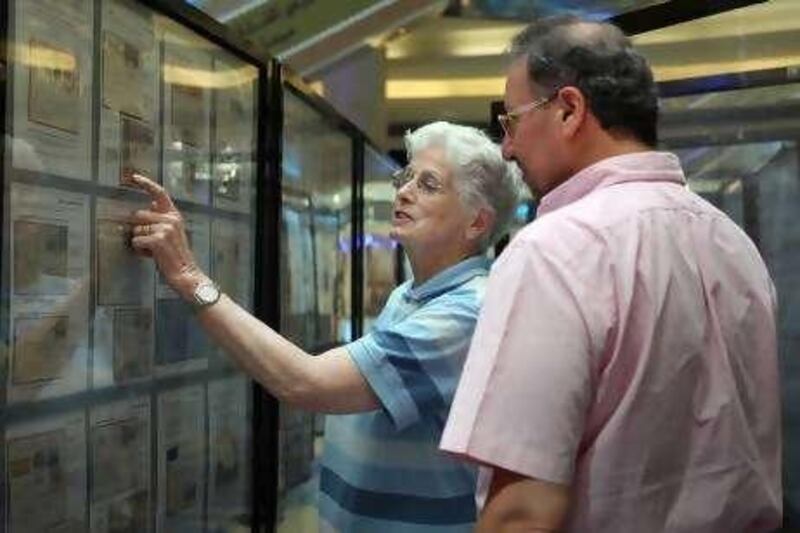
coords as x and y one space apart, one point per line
400 236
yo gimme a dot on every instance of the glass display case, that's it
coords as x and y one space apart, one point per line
119 414
380 250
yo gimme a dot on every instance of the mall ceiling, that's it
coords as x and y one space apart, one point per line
445 59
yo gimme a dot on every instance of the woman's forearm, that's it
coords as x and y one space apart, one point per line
285 370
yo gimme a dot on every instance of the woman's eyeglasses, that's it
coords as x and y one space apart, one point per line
427 182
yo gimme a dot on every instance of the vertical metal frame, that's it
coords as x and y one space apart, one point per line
5 61
267 290
5 145
750 211
5 128
357 240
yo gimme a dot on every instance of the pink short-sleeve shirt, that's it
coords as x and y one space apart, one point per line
627 348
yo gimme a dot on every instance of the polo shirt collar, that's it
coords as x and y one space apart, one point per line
448 278
639 166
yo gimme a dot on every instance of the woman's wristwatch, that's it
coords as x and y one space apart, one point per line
205 294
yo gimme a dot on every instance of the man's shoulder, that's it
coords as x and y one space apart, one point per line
558 235
606 209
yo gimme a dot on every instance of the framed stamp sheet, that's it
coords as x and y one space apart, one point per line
46 474
120 452
234 138
181 459
129 111
187 118
51 76
125 293
228 450
50 281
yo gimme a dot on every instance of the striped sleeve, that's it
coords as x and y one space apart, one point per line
413 365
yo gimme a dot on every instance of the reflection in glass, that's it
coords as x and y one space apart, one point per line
315 277
42 347
45 258
317 171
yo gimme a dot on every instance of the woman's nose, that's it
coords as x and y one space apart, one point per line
405 192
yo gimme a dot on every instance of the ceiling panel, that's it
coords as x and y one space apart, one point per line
528 9
445 57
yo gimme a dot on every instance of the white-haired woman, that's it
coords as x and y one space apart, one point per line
381 468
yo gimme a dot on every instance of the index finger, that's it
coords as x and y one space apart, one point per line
161 200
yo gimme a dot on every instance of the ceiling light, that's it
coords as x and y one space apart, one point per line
406 89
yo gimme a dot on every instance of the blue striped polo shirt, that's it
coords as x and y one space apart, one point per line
382 470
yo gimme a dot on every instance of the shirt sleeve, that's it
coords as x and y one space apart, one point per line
413 365
527 382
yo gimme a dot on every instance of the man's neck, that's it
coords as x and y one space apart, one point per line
604 147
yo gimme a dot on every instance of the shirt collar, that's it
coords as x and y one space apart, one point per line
448 278
638 166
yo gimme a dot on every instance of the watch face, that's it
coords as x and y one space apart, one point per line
206 293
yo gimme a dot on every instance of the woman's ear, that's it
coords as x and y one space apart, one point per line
481 224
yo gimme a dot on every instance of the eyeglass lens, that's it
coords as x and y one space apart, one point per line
426 181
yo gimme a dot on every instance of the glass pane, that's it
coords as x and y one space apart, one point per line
751 172
315 276
380 251
119 413
317 176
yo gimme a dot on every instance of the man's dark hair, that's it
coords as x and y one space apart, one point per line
598 59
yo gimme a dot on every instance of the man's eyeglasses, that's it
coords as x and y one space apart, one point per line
427 182
510 120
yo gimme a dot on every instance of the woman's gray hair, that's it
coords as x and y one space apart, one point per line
483 178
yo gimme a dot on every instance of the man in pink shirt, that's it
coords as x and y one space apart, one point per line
623 375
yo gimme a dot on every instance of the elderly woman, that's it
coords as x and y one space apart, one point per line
381 469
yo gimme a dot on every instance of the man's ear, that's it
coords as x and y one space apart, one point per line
481 224
573 108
